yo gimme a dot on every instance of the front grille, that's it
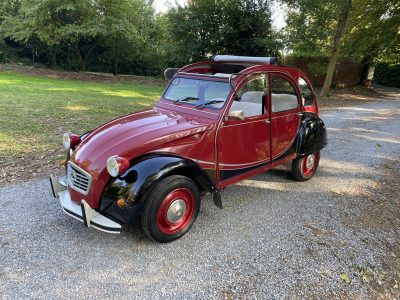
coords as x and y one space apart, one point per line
78 179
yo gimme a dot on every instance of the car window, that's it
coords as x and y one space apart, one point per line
201 91
307 95
283 95
250 97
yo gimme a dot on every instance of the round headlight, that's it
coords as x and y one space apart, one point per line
70 141
66 141
117 165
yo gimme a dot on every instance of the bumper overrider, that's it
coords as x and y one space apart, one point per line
82 212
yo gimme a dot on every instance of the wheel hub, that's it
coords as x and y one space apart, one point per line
310 162
176 210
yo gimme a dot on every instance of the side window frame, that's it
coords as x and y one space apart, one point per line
250 77
294 86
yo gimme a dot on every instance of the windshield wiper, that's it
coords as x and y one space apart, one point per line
186 99
210 102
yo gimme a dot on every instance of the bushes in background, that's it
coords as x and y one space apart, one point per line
387 74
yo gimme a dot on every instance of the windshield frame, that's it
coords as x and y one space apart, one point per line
202 77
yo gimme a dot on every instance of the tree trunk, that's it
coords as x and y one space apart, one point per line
69 58
82 60
53 59
82 64
85 53
116 58
336 47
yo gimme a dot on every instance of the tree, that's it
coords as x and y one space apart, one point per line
204 28
21 31
337 42
374 31
310 26
317 28
127 23
83 26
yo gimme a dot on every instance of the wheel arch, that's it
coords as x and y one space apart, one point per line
204 184
312 136
143 174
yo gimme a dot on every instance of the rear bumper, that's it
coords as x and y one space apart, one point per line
83 212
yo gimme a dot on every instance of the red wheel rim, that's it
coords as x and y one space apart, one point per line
175 211
310 164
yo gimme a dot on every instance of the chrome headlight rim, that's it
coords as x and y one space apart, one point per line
113 166
117 165
66 140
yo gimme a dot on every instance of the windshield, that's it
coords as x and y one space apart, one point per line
198 92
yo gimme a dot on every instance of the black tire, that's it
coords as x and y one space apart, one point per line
155 222
300 171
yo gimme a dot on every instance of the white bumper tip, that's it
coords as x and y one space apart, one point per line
83 212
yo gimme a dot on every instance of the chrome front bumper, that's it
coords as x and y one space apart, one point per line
82 212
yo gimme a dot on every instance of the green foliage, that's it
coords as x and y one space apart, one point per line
311 25
7 53
126 36
373 30
345 277
317 68
387 74
80 31
208 27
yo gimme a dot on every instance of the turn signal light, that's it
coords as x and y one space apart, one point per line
121 202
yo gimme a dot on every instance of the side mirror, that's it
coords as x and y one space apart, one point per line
170 72
236 114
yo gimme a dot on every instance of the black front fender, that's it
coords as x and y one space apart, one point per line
138 180
312 135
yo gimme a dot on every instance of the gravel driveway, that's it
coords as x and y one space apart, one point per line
276 238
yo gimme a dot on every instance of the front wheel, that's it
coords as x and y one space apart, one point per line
171 209
304 168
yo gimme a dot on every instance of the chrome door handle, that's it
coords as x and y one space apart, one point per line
267 121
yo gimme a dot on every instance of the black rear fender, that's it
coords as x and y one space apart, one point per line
312 136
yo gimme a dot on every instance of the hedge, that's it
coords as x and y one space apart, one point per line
387 74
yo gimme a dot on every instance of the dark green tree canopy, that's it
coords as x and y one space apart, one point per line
208 27
83 27
374 31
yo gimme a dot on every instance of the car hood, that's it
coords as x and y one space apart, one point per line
135 134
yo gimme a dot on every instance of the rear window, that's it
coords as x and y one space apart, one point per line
307 95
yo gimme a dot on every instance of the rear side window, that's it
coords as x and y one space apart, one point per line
283 95
307 95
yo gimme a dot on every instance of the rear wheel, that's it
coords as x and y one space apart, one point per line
304 168
171 209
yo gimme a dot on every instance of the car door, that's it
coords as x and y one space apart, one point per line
285 115
243 145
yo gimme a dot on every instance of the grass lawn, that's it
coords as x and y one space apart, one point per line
36 111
